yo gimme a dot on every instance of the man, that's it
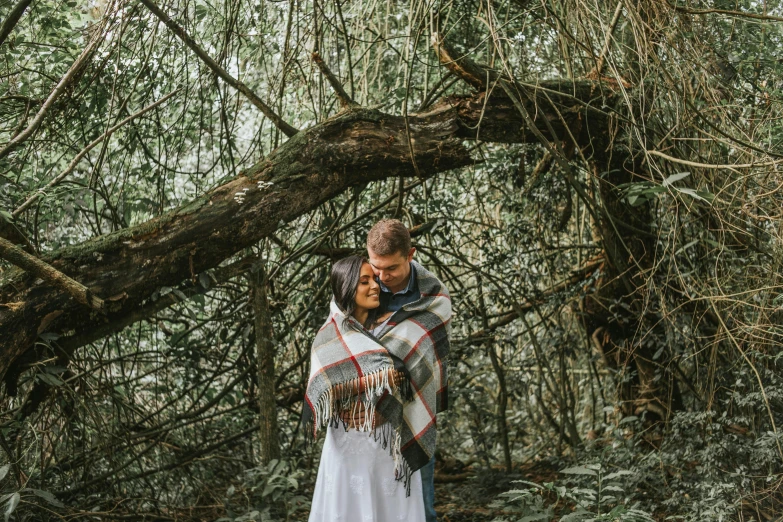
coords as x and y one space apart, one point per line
391 256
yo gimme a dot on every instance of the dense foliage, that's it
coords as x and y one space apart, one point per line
623 328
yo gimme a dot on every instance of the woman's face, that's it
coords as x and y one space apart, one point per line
367 292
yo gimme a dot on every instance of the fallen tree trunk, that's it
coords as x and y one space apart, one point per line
129 266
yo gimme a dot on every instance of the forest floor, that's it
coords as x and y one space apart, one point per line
467 497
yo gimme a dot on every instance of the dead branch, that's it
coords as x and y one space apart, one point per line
465 68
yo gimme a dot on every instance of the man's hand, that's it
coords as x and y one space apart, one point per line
396 378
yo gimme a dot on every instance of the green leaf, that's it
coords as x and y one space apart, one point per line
191 313
691 192
533 518
270 487
12 503
675 177
579 470
49 497
4 471
621 473
576 516
50 379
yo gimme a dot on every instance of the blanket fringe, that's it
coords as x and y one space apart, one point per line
333 403
342 399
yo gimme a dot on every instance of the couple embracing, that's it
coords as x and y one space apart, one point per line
378 376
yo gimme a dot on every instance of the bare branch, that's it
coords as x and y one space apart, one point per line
465 68
178 30
63 84
16 256
345 99
714 165
728 12
72 165
596 72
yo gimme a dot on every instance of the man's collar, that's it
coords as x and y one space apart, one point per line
409 288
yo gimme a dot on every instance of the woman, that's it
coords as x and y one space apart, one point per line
357 476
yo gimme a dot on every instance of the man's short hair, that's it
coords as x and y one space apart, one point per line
389 236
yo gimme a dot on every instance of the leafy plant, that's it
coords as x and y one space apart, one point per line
638 193
603 498
270 492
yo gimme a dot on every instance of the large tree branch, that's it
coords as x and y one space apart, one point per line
178 30
128 266
626 243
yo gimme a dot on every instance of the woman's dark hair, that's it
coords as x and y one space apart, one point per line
345 280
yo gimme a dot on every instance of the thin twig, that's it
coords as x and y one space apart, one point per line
62 85
740 14
755 372
178 30
602 58
72 165
713 165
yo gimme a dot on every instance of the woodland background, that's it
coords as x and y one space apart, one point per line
598 183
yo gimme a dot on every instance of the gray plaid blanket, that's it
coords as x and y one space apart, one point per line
416 342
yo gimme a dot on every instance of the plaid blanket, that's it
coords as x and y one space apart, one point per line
416 342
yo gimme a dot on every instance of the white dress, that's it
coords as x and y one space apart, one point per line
356 482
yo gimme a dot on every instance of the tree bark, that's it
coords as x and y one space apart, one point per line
12 19
265 359
31 264
652 389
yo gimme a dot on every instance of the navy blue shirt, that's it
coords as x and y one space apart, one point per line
410 294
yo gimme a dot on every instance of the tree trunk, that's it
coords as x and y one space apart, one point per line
265 360
615 313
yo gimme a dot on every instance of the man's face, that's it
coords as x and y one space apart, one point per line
392 270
